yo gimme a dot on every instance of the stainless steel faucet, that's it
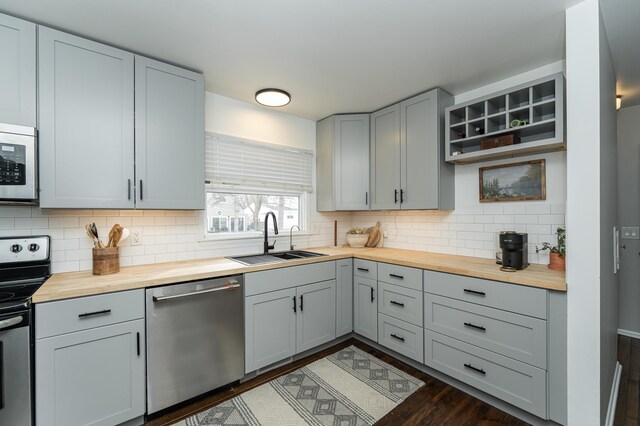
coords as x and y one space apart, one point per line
291 246
268 247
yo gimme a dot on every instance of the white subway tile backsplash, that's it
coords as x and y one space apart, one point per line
7 223
535 208
552 219
30 222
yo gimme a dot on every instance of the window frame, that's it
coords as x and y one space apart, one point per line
303 214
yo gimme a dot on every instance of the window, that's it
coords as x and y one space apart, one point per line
246 180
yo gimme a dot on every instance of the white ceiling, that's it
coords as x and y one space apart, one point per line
331 55
622 22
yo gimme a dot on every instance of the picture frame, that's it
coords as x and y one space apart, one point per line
522 181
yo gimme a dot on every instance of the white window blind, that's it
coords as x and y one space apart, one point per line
245 163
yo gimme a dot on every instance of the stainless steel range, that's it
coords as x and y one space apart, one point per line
24 266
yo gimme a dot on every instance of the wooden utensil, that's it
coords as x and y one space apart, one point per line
117 235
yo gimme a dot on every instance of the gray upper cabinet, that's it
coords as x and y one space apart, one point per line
408 169
169 134
385 158
86 123
342 146
17 71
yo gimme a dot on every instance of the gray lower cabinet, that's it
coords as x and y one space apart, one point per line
17 71
365 307
316 318
270 328
86 133
92 369
288 311
342 162
408 169
344 297
169 128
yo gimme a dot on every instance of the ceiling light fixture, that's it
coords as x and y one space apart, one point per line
618 102
272 97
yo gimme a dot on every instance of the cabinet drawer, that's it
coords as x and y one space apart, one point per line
66 316
516 336
401 337
517 383
399 302
365 269
400 275
509 297
288 277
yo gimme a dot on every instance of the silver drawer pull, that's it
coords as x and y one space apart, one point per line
91 314
477 327
476 369
393 302
230 286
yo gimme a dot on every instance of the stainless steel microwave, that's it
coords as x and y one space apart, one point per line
18 164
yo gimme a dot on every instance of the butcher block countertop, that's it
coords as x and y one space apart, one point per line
76 284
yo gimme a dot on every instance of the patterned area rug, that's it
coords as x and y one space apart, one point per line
347 388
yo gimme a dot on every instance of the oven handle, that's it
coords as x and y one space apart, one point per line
232 284
10 322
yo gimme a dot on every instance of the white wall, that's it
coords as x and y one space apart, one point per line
591 177
629 215
175 235
472 228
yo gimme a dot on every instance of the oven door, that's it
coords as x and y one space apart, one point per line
15 370
17 164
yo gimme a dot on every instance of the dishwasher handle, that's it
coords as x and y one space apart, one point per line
232 285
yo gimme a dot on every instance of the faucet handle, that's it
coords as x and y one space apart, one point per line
292 247
272 246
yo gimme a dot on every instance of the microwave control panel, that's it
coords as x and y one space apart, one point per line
13 164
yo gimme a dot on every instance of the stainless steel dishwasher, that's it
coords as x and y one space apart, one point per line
195 339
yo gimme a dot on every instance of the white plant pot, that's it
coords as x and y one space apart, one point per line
357 240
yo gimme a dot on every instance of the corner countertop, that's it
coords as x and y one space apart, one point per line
77 284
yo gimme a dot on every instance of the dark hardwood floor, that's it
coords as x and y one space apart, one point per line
628 407
436 403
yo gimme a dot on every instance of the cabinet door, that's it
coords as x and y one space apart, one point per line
351 160
385 158
95 376
419 152
86 123
270 328
344 297
365 308
17 71
169 136
316 318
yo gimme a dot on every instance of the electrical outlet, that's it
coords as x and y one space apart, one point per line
136 236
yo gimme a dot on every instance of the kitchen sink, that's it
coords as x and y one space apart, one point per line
260 259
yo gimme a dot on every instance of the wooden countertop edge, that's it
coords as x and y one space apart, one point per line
74 284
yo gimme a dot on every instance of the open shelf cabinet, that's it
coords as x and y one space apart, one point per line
533 112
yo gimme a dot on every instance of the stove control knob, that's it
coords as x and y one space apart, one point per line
34 247
16 248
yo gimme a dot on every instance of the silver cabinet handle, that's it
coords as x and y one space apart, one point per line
230 286
10 322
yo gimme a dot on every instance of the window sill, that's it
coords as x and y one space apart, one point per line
209 239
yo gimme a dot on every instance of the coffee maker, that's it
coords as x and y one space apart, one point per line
515 254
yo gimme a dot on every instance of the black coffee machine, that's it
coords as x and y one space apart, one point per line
515 254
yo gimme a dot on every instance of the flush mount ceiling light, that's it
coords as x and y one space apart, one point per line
273 97
618 101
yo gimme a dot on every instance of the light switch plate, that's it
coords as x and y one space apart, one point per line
630 233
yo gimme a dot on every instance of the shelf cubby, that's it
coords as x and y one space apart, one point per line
496 105
539 103
543 92
519 98
475 111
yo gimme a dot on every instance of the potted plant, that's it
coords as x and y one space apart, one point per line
357 237
557 252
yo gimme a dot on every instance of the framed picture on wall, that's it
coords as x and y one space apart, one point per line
513 182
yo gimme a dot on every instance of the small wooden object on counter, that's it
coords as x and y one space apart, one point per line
498 141
106 261
335 233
